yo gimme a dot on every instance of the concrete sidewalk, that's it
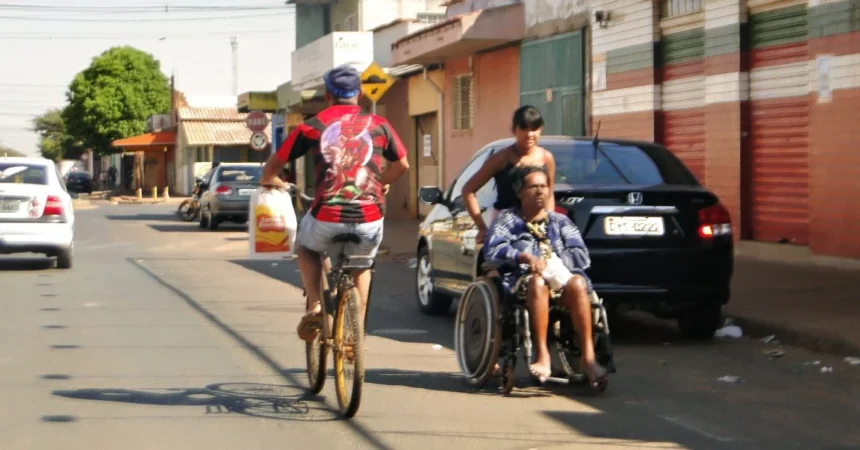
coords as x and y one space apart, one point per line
812 306
805 301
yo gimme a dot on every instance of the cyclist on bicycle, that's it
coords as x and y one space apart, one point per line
349 147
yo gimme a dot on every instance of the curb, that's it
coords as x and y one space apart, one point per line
816 341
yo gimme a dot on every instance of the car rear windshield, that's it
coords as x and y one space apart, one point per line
23 173
81 175
617 164
249 174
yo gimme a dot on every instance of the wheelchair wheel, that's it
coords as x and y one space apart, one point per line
477 333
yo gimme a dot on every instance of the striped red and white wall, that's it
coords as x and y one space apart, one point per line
733 91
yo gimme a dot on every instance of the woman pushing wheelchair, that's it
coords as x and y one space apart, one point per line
541 255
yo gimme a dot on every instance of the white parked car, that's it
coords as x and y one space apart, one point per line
36 212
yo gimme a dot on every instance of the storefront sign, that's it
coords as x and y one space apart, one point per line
825 83
262 101
428 146
310 62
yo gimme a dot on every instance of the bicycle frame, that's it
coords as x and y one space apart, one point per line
336 279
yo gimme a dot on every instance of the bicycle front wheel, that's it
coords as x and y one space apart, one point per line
349 353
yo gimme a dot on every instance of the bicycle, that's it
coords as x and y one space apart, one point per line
341 301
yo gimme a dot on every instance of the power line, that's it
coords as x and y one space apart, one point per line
173 19
25 85
153 8
152 36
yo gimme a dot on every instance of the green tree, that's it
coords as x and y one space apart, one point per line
7 151
54 141
112 98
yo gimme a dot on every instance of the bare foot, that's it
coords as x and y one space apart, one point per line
540 370
595 372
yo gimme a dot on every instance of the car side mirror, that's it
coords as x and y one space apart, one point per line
431 195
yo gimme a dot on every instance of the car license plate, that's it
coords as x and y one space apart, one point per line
247 192
633 226
9 207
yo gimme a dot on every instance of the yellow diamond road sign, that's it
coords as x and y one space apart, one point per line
375 82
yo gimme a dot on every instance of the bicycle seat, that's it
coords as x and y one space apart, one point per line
345 238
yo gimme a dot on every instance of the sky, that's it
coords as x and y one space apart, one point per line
45 43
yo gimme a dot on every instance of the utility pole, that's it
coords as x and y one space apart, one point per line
234 44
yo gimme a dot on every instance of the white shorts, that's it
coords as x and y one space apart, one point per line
316 236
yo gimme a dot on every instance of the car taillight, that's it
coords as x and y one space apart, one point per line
561 210
223 190
53 206
714 221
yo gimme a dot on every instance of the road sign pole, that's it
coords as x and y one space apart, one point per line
373 108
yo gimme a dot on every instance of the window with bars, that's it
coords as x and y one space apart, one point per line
463 102
674 8
431 18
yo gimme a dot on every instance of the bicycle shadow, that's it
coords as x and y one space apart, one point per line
265 401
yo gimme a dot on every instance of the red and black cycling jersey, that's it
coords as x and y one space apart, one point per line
348 146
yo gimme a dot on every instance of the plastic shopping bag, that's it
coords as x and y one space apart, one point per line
272 228
556 274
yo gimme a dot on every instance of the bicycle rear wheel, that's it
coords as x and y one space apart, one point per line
349 372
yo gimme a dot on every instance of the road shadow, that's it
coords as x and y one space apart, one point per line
251 399
393 284
452 382
289 375
185 227
147 217
25 264
649 431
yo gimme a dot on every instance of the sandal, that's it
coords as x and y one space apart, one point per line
309 326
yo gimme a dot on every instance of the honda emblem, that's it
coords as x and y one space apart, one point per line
634 198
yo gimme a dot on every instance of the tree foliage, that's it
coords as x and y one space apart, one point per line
112 98
54 140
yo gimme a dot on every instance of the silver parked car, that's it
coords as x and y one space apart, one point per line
226 193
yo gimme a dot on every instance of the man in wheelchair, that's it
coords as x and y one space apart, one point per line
541 257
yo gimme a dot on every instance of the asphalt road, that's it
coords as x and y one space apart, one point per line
164 337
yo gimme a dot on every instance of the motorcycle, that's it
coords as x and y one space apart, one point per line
189 210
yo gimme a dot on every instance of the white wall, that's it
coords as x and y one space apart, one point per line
383 39
380 12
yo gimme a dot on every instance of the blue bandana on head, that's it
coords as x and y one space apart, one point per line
343 81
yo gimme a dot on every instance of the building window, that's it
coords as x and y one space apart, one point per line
431 18
674 8
463 102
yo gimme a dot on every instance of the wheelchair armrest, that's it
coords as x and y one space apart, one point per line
491 265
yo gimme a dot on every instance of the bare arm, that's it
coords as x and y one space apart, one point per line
394 171
294 147
273 167
550 164
493 165
395 153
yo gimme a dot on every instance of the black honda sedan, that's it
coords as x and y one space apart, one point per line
659 241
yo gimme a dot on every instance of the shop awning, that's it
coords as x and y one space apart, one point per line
155 139
218 133
461 35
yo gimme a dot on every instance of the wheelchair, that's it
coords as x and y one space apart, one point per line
492 328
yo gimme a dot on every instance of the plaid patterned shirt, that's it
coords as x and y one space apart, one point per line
508 237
